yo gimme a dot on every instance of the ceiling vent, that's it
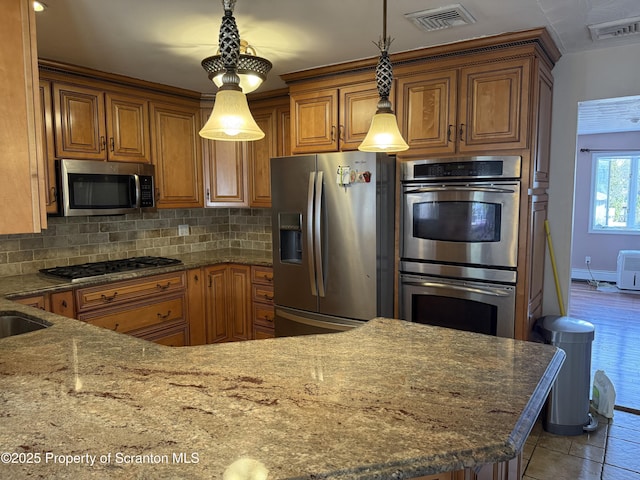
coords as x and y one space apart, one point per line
617 28
442 17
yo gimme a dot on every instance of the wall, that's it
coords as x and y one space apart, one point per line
75 240
602 248
591 75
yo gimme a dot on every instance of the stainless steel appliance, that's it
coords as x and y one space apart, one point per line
89 187
459 242
332 221
462 210
93 269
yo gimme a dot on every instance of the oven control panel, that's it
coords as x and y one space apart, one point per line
465 168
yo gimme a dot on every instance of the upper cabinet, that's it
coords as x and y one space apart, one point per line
471 109
332 119
177 154
22 208
93 124
48 147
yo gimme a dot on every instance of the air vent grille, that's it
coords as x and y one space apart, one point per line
615 29
442 17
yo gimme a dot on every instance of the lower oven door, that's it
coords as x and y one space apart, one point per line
475 223
461 304
290 322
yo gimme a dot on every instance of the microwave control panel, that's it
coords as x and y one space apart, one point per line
146 191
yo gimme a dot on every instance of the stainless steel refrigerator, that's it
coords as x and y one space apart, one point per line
333 232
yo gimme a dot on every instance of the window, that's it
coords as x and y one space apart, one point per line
615 193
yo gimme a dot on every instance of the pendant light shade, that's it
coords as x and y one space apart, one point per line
230 119
384 134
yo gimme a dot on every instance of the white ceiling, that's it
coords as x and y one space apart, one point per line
164 41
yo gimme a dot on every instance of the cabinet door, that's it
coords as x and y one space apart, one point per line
283 116
225 166
314 126
358 105
494 106
259 155
427 111
176 154
62 303
80 122
48 147
216 304
22 208
240 302
128 129
195 299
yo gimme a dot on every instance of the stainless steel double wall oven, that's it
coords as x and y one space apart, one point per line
459 242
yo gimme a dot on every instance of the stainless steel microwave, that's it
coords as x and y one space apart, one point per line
89 187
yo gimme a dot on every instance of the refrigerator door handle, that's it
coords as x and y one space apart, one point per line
310 236
318 233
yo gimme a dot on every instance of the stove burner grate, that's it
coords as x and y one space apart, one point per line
74 272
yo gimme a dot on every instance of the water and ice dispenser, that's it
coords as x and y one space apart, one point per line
290 227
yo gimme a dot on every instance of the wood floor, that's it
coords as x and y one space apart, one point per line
616 347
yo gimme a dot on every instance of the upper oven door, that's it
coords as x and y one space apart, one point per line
474 223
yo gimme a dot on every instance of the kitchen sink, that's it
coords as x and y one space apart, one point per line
16 323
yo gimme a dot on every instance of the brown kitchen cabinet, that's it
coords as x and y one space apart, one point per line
331 119
153 308
225 166
474 109
227 303
272 116
35 301
195 299
176 153
262 302
94 124
48 147
63 303
22 206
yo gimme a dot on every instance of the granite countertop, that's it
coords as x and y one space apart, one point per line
36 283
390 399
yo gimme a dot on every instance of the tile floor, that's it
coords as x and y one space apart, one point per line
612 452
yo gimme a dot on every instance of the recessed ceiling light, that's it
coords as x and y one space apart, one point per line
39 6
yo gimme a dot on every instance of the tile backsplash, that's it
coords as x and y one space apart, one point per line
73 240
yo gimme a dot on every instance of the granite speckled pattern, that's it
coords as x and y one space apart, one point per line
390 399
32 284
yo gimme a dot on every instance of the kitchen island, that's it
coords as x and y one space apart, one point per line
390 399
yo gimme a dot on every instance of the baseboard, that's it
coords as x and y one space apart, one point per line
598 275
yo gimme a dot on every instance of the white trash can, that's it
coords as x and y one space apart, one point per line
567 409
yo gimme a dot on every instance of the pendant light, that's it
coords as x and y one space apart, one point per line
383 134
230 119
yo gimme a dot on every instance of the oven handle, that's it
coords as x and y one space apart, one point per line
496 292
456 188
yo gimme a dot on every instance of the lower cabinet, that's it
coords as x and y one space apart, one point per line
227 303
262 302
153 308
36 301
511 470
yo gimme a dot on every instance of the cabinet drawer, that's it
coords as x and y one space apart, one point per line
260 333
262 275
262 293
136 317
129 290
263 314
171 337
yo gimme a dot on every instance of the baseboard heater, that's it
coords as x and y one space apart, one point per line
628 274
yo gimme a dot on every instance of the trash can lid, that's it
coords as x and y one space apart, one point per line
557 329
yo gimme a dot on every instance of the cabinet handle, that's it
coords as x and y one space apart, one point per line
164 317
449 130
63 303
116 327
461 132
195 278
210 281
268 297
163 287
268 278
267 318
341 132
112 144
157 194
103 142
333 133
108 299
208 195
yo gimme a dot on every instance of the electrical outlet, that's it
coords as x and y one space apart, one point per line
183 230
587 260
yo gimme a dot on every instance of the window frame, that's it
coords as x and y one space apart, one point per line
595 156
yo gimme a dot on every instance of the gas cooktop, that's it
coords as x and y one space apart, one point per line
87 270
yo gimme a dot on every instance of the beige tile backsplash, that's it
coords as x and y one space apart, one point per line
73 240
